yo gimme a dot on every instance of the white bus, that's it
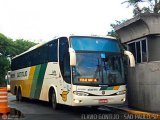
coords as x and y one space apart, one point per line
74 71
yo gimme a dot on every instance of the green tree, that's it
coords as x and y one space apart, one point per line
6 45
4 67
22 45
153 6
10 48
112 32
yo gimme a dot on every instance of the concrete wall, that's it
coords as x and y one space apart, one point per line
144 80
139 26
133 31
144 86
154 48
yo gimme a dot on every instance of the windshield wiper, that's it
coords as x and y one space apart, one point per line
99 70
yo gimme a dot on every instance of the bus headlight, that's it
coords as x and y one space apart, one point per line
80 93
121 92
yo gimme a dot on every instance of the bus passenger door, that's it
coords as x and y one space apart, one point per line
64 62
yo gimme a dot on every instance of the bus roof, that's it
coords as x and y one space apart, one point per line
43 43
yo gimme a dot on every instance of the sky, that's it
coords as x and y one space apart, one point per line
42 20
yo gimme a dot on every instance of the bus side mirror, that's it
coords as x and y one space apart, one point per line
72 57
131 58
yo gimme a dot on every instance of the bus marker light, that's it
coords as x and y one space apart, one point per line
103 101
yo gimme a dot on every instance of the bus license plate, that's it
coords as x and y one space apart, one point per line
103 101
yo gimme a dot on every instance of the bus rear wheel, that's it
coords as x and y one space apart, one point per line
19 95
55 105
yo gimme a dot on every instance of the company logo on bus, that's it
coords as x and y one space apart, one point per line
64 95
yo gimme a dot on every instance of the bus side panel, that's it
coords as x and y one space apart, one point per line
52 77
38 81
22 78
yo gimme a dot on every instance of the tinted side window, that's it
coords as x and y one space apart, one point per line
132 48
13 64
138 51
41 55
67 71
52 49
144 51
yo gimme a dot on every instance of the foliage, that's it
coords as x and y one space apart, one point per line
5 45
112 32
4 67
22 45
153 6
8 49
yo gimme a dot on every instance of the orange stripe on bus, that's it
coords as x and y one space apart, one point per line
116 87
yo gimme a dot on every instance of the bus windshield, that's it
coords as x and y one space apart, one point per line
95 68
94 44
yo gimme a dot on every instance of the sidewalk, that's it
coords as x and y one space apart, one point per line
137 112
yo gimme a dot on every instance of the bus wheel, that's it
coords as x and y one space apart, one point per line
19 95
54 101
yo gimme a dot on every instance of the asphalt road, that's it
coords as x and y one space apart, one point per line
38 110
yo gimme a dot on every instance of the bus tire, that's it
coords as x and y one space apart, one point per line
55 105
15 90
19 95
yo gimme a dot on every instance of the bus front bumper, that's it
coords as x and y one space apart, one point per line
98 100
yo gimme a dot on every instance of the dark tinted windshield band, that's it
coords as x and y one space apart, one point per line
94 44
